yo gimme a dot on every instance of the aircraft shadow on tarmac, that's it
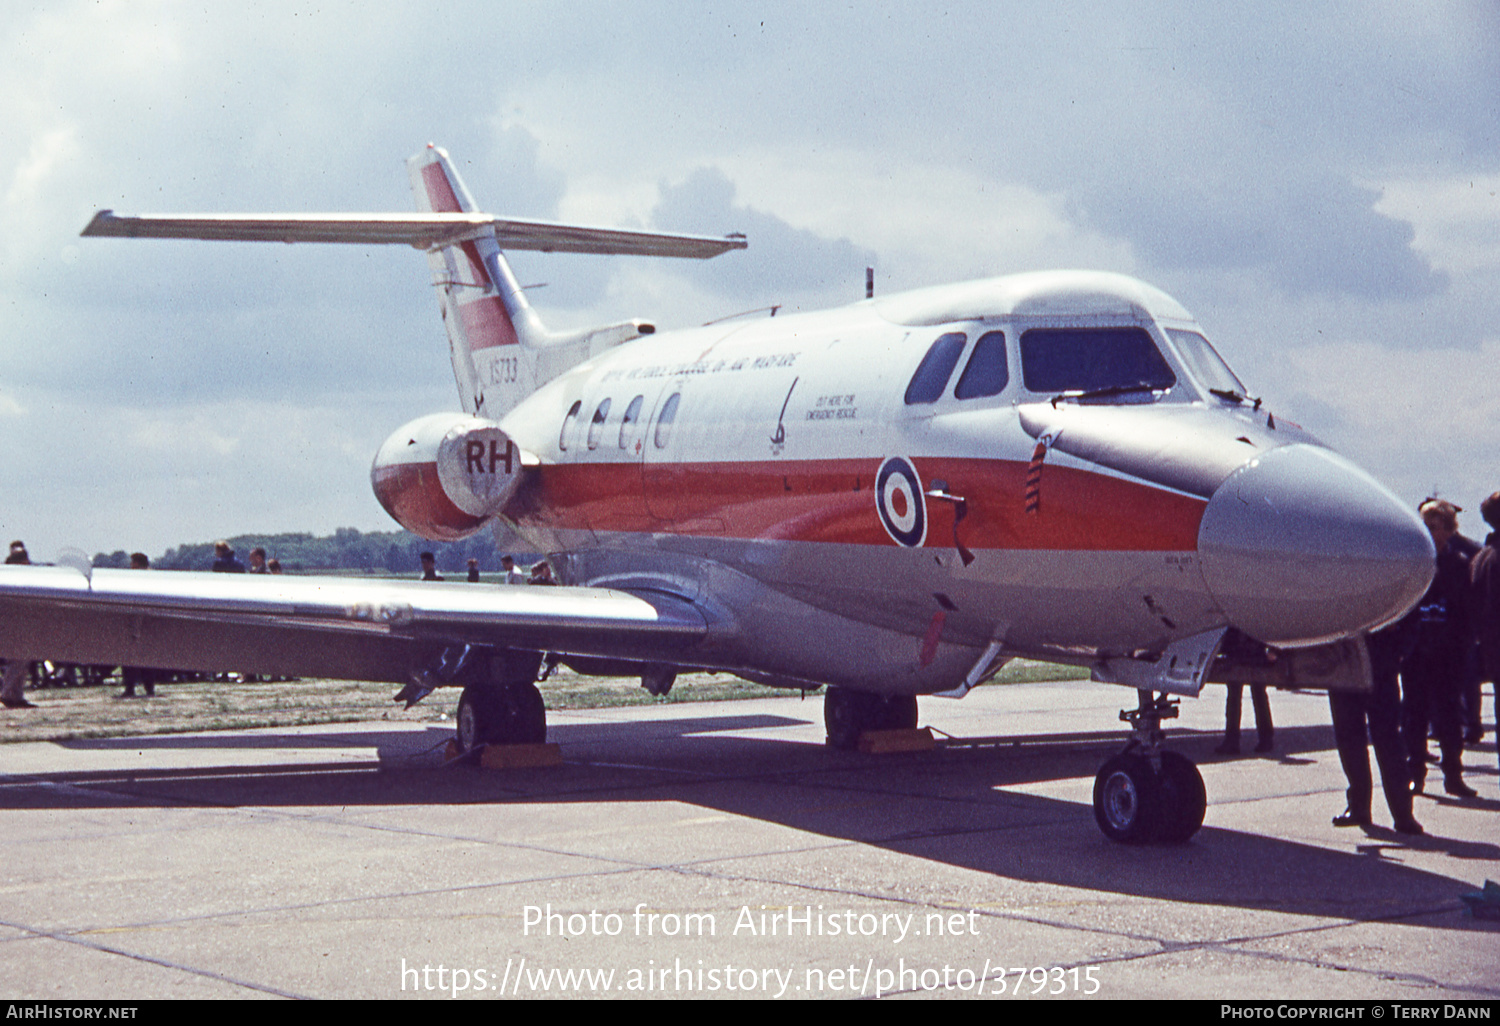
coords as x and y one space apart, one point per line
962 807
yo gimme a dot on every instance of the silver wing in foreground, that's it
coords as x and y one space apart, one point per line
352 629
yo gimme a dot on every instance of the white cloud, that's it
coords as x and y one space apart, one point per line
1457 220
931 222
1424 421
107 476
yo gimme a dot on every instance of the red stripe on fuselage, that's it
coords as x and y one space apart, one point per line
832 501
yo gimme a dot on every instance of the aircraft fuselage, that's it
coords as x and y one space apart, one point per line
794 476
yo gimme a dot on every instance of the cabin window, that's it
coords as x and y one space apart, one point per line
1205 363
665 418
632 414
986 373
596 426
936 368
568 422
1066 360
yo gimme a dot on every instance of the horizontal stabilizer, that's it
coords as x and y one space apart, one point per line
423 231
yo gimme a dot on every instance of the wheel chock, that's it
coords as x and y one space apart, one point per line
520 756
884 742
505 756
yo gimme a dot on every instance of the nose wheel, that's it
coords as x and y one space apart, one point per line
1149 796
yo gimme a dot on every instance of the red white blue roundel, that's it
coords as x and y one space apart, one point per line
900 502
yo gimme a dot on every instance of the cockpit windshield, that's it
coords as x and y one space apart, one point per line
1206 364
1087 361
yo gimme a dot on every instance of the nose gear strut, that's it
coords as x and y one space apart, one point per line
1145 794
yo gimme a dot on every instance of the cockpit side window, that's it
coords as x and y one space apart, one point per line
1092 359
1205 363
936 368
986 373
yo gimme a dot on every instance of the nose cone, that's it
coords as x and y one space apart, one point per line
1300 547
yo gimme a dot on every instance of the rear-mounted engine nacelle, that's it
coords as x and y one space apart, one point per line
443 476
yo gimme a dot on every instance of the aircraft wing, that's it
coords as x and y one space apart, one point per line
423 231
344 628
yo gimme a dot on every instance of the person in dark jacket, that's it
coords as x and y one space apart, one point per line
1433 674
1484 575
225 561
138 676
15 671
1381 710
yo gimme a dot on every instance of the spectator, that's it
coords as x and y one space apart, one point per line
1484 573
1433 674
1265 730
429 567
136 676
13 676
1380 709
224 559
513 573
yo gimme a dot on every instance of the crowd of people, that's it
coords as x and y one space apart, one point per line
1427 670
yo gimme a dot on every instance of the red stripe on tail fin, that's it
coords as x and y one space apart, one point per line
487 324
440 192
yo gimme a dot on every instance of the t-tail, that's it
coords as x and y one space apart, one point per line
501 350
494 335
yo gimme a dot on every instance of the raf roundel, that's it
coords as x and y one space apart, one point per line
900 503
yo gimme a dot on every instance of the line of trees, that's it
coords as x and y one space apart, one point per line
347 549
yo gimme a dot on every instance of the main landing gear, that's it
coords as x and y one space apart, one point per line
506 708
1146 795
848 713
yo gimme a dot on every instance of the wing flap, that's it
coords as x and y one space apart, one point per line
318 626
424 231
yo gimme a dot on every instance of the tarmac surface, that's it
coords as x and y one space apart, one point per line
663 857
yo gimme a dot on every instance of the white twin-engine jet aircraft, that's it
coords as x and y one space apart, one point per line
890 499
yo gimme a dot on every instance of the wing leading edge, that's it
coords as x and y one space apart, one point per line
319 626
423 231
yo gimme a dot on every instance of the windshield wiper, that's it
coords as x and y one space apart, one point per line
1105 393
1232 396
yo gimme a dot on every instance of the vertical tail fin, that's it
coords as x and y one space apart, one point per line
493 333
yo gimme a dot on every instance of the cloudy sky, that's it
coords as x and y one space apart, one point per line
1318 186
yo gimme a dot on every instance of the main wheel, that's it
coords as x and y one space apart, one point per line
499 715
847 714
1127 799
1183 798
658 678
895 712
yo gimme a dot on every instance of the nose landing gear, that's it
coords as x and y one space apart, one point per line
1146 795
